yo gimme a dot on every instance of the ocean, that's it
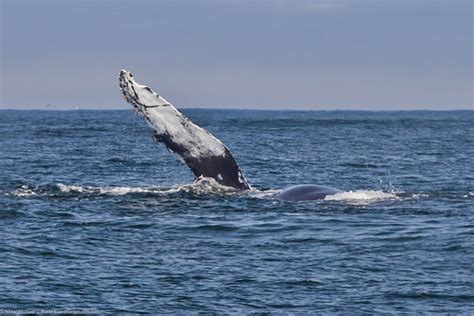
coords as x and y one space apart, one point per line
95 217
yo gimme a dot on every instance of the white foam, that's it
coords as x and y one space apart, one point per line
106 190
68 188
417 195
263 194
361 196
24 191
200 186
205 186
123 190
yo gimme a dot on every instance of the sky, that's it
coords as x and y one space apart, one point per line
253 54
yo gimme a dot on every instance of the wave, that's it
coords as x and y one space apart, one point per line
201 187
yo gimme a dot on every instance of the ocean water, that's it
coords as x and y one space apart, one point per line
94 216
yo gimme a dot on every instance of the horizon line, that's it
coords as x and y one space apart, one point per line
247 109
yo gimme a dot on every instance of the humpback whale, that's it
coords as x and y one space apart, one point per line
197 148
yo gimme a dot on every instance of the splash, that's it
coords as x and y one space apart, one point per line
263 194
107 190
202 186
24 191
362 196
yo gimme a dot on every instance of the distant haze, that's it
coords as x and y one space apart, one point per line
281 54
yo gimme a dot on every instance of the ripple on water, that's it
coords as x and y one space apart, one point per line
95 217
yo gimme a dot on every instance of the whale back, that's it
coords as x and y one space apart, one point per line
305 192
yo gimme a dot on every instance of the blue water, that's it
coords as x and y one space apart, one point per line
95 216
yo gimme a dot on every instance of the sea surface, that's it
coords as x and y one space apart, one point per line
96 217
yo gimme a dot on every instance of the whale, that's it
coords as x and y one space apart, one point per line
305 192
197 148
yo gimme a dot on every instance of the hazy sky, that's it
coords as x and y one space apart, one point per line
301 54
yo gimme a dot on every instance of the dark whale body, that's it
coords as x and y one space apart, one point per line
305 192
198 149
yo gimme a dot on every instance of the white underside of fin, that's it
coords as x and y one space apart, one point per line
163 117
